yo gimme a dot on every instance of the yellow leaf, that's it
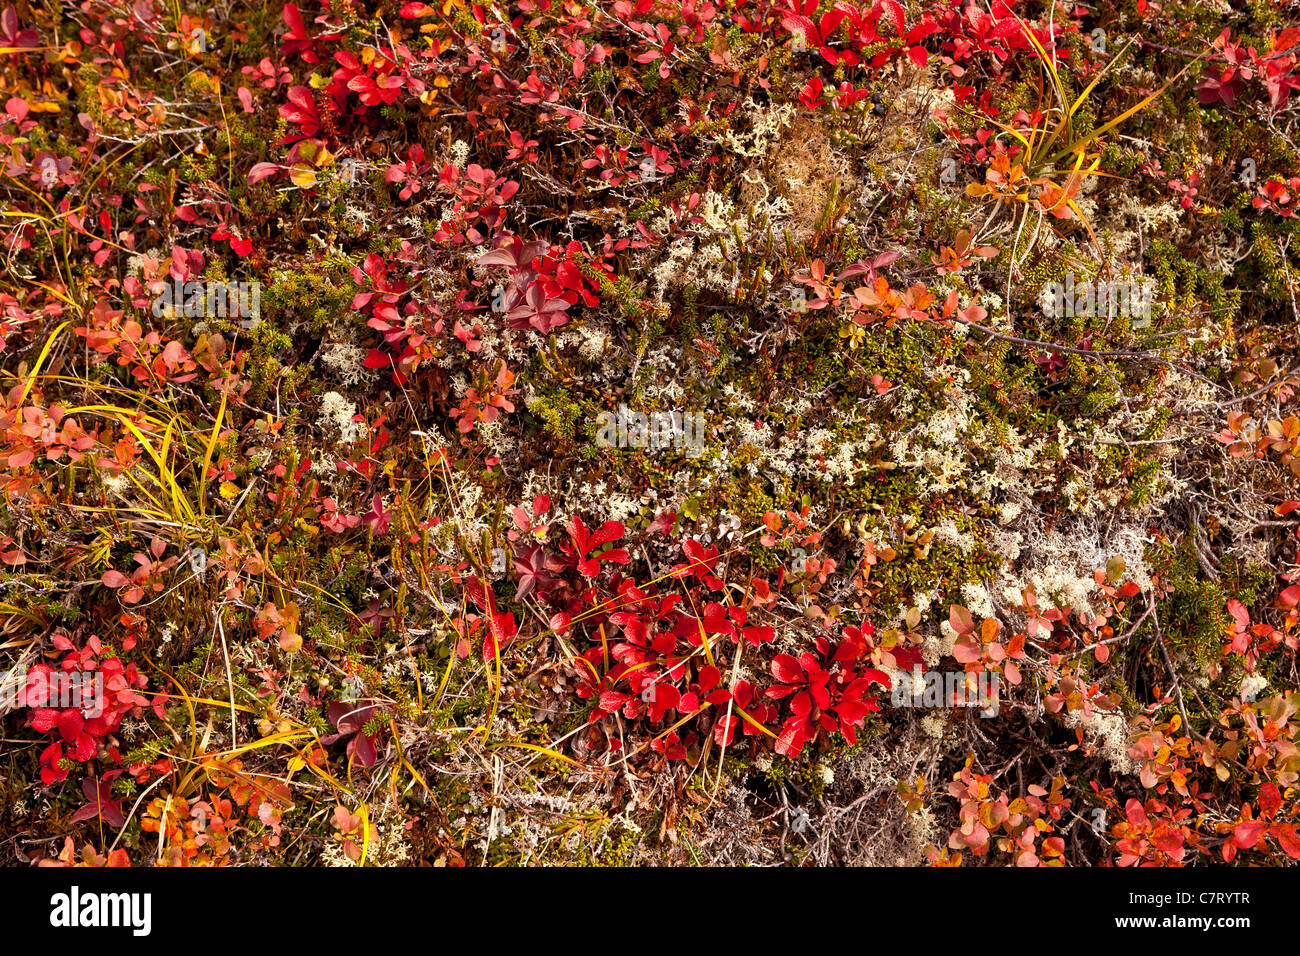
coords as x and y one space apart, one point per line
315 152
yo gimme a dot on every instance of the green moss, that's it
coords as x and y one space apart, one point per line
1194 617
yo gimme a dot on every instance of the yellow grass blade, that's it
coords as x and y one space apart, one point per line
40 360
364 812
166 479
547 751
207 455
1131 111
1087 91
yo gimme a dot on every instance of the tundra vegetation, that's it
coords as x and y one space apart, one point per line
649 431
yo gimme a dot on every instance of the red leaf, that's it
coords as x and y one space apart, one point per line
1136 815
1289 840
70 724
88 812
960 619
725 731
791 740
893 11
786 669
1239 614
1270 799
1247 833
1169 842
710 677
262 171
361 749
612 700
